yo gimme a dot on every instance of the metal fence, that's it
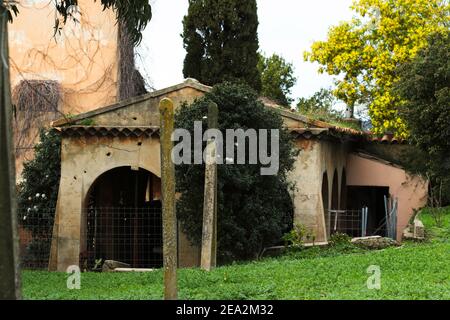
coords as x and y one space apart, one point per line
350 222
360 223
134 235
129 235
35 235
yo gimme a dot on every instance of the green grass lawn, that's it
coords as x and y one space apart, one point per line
414 271
434 231
411 272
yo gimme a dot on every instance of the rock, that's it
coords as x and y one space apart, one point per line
415 231
407 235
110 265
375 243
419 230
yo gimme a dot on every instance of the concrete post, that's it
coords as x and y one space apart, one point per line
209 230
9 248
168 200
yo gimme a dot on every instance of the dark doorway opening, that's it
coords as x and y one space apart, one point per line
359 197
124 219
325 202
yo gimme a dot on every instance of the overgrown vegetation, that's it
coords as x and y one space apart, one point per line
40 177
321 106
37 194
298 236
425 90
35 106
437 223
254 211
339 239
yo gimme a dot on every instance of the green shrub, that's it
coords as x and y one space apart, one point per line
38 189
339 239
254 211
297 236
37 196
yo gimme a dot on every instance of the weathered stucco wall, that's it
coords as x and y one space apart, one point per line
139 111
316 158
82 58
411 191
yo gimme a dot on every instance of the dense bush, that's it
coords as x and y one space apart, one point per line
298 235
254 211
339 239
425 88
38 189
37 196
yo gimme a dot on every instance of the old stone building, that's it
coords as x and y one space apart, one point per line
110 182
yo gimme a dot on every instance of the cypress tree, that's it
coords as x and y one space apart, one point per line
221 40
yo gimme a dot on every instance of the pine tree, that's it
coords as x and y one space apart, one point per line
221 40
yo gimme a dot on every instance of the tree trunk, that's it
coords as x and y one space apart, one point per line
9 262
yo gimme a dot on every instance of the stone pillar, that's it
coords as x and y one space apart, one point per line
168 200
9 248
67 228
209 230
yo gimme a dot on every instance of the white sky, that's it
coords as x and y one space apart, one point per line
286 27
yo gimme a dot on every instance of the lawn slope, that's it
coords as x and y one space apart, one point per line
410 272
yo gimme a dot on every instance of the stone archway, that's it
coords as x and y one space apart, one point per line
343 191
121 219
331 213
335 191
325 201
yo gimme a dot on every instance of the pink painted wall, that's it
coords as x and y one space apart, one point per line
83 57
411 191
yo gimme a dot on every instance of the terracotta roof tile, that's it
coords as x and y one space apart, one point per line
103 131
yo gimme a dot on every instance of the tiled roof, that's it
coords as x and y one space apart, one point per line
309 121
309 133
387 139
314 128
317 128
102 131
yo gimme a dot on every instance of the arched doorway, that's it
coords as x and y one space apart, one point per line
335 192
346 219
333 212
123 219
343 200
325 202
